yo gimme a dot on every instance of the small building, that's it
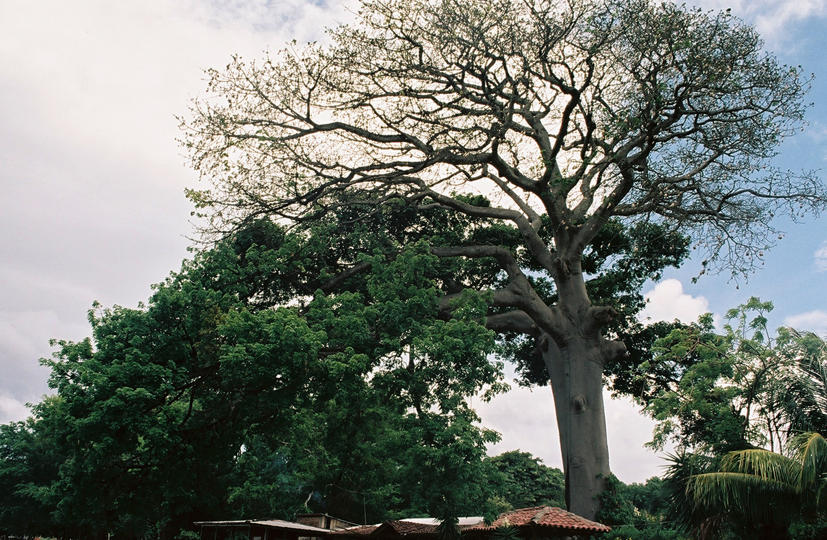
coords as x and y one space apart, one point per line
535 523
265 529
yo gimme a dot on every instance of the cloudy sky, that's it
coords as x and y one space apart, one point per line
92 181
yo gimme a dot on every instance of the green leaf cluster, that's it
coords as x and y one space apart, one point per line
242 388
743 387
755 493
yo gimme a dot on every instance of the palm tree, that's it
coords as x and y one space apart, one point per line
755 492
804 400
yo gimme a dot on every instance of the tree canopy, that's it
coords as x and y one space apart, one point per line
564 115
745 387
743 408
210 402
521 480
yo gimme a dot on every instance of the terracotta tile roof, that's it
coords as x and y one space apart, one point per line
392 528
543 516
538 516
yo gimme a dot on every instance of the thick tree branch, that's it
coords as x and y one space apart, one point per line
503 256
516 321
341 277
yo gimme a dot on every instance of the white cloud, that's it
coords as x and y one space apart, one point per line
813 321
770 17
820 257
776 16
526 420
667 302
11 410
112 75
628 430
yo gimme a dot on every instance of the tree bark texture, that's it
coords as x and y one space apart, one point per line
576 381
574 351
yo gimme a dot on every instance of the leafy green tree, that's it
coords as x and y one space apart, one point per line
176 411
803 398
159 404
651 497
694 408
758 493
29 461
736 408
568 115
521 480
745 387
638 511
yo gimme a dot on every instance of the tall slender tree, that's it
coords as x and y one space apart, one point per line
567 115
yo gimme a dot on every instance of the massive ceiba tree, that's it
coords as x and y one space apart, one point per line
570 117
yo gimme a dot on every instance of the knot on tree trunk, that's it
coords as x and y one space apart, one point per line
613 349
603 314
579 403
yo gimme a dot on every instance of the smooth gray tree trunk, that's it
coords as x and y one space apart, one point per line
576 372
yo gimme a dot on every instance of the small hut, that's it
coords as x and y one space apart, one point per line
538 523
535 523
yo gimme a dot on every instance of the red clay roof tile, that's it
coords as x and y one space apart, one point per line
543 516
393 527
537 516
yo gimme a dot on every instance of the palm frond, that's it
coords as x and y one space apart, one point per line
821 496
751 496
811 451
762 464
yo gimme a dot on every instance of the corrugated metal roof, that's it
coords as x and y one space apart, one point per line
290 525
466 521
274 523
407 526
394 527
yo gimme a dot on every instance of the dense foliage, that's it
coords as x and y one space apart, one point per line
519 480
745 387
208 402
573 118
743 409
639 511
267 377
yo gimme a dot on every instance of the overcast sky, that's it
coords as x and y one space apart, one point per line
92 181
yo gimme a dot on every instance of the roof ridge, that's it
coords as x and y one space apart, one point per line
544 511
